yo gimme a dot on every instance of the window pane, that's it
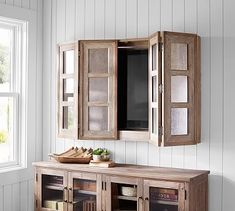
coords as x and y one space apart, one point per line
98 118
154 121
179 121
68 87
179 89
179 56
6 129
98 60
69 62
154 57
5 59
98 89
68 117
154 89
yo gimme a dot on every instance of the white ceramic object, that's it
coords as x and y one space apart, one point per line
97 157
129 191
105 157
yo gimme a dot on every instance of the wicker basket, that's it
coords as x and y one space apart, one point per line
129 191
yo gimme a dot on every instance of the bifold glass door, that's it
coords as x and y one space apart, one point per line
166 196
83 192
124 194
53 191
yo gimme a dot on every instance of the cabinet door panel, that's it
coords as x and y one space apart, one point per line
155 78
84 189
67 100
52 190
161 196
98 112
181 96
123 193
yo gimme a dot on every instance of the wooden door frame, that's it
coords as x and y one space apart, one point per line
180 186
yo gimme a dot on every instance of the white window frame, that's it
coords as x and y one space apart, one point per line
19 64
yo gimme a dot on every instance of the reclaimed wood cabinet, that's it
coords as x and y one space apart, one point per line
137 89
75 187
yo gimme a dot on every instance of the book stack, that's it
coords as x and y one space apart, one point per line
164 194
55 180
85 185
53 204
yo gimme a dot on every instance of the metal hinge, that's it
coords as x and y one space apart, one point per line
160 131
160 88
36 203
185 194
104 186
79 53
160 46
36 177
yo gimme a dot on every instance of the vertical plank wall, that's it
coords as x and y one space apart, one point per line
213 20
16 188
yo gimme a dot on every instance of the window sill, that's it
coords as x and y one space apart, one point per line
11 168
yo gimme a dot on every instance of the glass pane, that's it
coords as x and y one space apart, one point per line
68 117
154 57
68 89
5 59
154 89
6 129
179 56
179 121
163 199
84 195
98 89
98 60
68 62
154 121
124 197
98 118
52 192
179 89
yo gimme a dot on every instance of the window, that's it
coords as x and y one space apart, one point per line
13 34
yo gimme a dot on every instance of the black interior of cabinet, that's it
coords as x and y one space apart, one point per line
132 88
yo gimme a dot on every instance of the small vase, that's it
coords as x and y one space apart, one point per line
97 157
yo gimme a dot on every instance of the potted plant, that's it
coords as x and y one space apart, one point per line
97 154
105 155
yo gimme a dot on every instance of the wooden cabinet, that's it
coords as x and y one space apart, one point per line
140 89
124 187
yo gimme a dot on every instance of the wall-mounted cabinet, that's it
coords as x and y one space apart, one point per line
140 89
83 188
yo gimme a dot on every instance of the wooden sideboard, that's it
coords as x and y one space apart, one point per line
80 187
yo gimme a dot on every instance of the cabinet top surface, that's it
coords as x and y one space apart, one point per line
127 170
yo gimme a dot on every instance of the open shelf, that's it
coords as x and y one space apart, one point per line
130 198
85 192
54 187
175 203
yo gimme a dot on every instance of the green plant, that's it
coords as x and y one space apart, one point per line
97 151
105 152
3 137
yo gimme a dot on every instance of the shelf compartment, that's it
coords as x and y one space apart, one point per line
84 192
130 198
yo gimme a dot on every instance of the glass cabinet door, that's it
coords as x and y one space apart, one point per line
53 190
124 194
163 196
83 192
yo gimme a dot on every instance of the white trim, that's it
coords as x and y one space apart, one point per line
18 90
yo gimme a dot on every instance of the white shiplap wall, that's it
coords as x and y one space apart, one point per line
213 20
16 187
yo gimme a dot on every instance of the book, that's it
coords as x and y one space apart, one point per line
105 164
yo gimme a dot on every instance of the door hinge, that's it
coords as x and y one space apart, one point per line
36 177
160 88
185 194
160 46
79 53
160 131
36 203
